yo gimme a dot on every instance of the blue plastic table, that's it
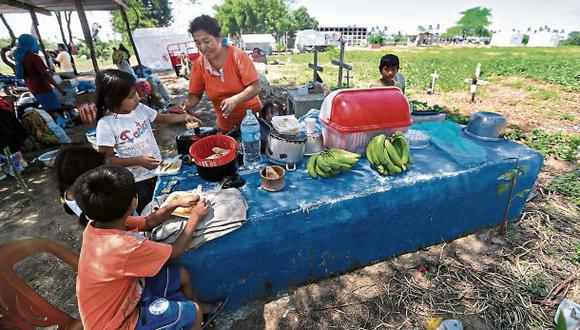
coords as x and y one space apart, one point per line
316 228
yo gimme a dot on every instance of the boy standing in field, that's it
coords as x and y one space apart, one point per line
390 75
115 258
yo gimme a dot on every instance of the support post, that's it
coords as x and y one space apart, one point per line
87 33
42 47
126 19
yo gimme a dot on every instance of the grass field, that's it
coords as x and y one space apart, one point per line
552 65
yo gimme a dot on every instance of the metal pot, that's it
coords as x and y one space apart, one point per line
489 126
286 149
184 140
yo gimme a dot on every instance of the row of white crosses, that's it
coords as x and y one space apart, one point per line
473 82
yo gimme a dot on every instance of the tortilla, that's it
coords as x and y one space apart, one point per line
183 212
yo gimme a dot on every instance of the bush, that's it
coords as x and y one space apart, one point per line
376 39
573 39
280 46
568 185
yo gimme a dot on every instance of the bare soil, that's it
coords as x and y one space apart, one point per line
486 281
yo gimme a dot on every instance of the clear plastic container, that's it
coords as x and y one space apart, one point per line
354 141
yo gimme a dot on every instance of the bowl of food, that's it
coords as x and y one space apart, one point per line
48 158
215 157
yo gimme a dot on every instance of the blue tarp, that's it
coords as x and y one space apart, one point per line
316 228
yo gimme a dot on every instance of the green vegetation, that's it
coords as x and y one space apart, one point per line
474 22
557 66
569 185
546 94
143 14
573 39
560 146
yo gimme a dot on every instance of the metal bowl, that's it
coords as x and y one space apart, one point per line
489 126
48 158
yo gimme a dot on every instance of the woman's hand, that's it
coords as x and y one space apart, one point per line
228 105
148 161
187 118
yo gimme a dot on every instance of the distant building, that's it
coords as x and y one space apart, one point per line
422 39
354 36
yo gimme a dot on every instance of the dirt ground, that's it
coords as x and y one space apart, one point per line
486 281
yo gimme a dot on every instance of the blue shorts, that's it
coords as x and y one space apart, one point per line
49 101
162 305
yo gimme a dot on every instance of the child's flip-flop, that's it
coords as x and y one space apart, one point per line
213 313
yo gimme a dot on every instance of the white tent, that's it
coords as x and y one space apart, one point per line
507 39
544 39
265 42
152 45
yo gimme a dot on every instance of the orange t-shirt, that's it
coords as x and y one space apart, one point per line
237 73
110 265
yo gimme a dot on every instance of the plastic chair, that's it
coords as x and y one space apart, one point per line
22 307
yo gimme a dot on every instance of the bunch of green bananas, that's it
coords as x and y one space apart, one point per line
389 156
331 162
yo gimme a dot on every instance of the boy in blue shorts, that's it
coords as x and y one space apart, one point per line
123 280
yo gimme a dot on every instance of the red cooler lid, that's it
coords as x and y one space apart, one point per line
366 109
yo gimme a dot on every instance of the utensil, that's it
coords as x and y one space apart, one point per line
286 149
214 170
48 158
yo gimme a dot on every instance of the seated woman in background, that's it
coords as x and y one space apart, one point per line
257 56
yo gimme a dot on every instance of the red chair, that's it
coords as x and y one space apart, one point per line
22 308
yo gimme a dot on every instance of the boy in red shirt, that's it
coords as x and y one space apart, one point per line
115 258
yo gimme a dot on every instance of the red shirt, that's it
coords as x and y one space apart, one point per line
33 68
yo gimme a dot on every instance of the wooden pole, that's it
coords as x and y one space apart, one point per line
8 47
72 60
87 33
42 47
126 19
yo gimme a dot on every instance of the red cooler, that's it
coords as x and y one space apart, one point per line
352 117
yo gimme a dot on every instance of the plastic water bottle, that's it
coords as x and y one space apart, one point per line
250 130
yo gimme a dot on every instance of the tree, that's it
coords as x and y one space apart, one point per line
143 14
475 22
398 38
302 20
573 39
452 32
261 16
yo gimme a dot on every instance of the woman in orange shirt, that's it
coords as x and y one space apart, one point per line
225 73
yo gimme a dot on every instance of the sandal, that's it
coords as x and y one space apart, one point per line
213 313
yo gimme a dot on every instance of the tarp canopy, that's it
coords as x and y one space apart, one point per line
46 6
507 39
544 39
265 42
152 45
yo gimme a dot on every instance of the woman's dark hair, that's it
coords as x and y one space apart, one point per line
124 49
205 23
113 86
388 61
105 193
62 46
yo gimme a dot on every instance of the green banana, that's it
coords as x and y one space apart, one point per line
310 167
345 153
380 151
392 152
369 153
400 143
376 148
344 156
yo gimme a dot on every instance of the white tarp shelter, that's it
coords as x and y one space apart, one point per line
544 39
265 42
306 39
507 39
152 45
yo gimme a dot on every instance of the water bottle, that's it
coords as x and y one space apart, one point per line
250 130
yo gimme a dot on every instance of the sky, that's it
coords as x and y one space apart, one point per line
404 16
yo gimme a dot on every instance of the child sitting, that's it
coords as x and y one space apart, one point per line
115 257
390 75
